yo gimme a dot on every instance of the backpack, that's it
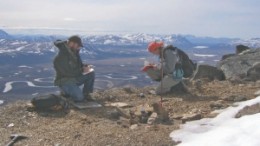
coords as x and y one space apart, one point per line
49 102
178 72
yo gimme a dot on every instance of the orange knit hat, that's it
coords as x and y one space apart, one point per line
153 46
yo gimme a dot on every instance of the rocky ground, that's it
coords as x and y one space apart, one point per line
116 126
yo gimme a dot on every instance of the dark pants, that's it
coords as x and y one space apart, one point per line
74 91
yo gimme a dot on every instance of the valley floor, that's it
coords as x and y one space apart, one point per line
98 127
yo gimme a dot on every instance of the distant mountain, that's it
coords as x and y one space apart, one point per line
107 46
4 35
208 40
140 39
254 42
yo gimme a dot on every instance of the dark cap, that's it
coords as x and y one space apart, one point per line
76 39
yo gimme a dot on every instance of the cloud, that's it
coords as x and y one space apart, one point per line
232 18
69 19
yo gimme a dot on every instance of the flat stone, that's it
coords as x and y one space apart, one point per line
118 104
177 117
133 127
227 98
240 98
248 110
152 92
217 104
235 98
190 117
257 93
212 115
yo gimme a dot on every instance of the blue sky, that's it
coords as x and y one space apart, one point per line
219 18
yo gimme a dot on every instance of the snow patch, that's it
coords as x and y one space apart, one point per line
204 55
34 94
200 47
24 66
223 130
9 87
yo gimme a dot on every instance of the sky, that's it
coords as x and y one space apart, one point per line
218 18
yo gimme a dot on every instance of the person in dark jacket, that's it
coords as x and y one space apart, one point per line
70 71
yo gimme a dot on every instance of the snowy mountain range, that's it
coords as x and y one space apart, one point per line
121 45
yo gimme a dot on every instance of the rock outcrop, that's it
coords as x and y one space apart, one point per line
242 65
241 48
209 72
253 73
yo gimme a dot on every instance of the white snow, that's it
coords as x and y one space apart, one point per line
24 66
201 61
20 48
223 130
34 94
122 78
9 87
204 55
1 102
106 42
200 47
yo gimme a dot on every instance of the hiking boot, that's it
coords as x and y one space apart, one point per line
89 98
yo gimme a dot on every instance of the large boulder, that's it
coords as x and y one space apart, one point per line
254 72
237 67
227 56
209 72
241 48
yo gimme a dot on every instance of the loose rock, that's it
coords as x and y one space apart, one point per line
209 72
191 117
152 119
234 98
217 104
133 127
142 95
257 93
152 92
249 110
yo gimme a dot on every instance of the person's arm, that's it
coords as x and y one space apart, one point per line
169 61
61 45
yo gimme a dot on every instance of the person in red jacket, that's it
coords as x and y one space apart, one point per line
166 72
